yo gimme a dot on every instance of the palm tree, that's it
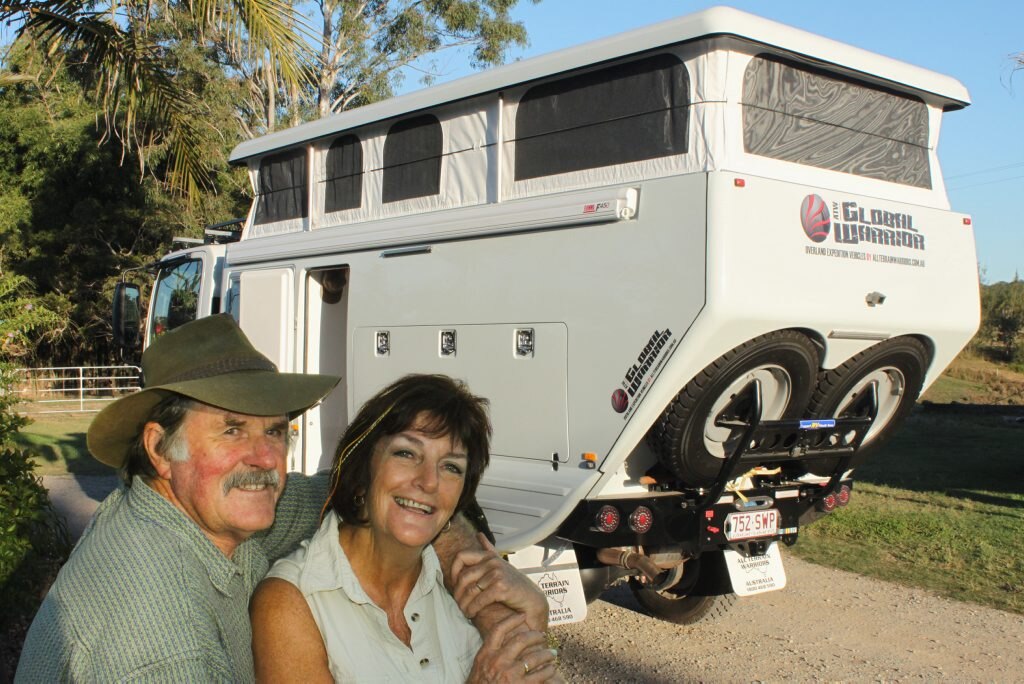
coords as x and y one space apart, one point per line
135 85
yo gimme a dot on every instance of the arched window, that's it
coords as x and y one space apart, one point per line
343 180
412 159
282 187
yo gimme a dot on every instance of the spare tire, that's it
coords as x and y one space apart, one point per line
686 438
898 366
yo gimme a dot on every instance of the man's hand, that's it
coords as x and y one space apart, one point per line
481 578
512 653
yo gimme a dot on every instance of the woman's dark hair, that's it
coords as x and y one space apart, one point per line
451 411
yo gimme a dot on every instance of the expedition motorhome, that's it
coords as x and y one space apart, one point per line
699 269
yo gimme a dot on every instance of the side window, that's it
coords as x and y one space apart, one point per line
176 297
232 299
412 159
625 113
344 175
282 187
799 115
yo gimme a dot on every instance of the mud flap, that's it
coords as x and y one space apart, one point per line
554 569
756 574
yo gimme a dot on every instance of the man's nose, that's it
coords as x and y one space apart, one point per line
266 453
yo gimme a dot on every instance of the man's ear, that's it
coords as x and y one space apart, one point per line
152 433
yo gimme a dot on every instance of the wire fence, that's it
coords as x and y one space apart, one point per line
72 389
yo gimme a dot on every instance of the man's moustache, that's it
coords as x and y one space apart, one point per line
252 478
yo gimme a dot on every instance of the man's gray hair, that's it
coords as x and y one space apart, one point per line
169 414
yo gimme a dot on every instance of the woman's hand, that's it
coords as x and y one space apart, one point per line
513 653
480 578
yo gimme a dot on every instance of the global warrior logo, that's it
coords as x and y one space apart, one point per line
852 224
638 371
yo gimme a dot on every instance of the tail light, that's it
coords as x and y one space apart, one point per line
607 519
829 503
641 519
843 497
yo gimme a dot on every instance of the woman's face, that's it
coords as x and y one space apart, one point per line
415 484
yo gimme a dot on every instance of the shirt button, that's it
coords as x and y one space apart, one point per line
424 662
415 617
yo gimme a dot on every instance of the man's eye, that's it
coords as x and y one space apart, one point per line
232 431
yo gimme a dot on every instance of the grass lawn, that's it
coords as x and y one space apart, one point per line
941 506
57 443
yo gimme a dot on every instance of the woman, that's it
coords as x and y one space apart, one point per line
363 599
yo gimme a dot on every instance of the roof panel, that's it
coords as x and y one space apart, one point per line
710 22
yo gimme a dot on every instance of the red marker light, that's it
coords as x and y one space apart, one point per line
967 220
828 504
641 519
739 182
607 519
843 496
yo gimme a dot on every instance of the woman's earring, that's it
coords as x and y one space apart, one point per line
359 500
447 526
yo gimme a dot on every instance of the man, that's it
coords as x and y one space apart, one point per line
158 587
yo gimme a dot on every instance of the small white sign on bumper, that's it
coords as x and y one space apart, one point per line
557 573
756 574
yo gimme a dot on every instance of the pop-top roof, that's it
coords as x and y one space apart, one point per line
711 22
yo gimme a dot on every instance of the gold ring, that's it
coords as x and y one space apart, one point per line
526 668
478 587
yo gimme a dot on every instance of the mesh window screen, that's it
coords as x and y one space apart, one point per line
625 113
282 187
801 116
412 159
344 178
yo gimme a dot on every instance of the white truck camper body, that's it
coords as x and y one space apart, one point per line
612 243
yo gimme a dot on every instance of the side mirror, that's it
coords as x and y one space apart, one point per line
127 316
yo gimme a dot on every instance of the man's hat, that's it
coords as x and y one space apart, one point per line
209 360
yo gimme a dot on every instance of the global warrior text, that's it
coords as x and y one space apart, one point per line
856 224
635 375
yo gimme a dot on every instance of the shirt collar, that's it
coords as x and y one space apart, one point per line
150 506
328 568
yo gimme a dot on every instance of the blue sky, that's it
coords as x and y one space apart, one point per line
981 148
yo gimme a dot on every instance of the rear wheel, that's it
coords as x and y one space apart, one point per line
896 367
703 594
686 438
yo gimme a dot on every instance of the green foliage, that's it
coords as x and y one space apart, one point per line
34 541
1002 307
142 100
80 213
366 46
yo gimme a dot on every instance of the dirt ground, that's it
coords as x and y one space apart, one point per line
826 625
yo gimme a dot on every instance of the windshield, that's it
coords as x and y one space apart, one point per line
175 296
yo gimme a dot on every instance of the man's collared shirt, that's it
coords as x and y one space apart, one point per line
147 596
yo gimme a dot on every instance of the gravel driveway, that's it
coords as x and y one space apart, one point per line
825 625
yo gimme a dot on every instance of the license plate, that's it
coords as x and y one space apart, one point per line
752 525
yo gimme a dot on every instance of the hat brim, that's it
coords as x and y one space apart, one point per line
255 393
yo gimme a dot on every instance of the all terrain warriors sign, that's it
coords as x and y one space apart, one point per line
851 224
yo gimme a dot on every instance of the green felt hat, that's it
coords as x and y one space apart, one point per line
209 360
